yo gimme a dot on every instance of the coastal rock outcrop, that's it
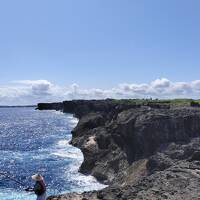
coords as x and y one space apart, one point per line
141 152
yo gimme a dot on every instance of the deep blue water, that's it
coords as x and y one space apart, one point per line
34 141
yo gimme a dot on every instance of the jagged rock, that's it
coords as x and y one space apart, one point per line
141 152
50 106
158 162
195 156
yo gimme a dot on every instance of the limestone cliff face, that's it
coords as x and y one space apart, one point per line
50 106
137 149
131 135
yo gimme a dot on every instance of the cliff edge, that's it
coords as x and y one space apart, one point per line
141 152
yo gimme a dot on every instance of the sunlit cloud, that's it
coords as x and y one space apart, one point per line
26 92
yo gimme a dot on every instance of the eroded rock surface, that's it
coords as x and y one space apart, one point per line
141 152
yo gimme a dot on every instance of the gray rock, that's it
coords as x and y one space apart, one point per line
141 152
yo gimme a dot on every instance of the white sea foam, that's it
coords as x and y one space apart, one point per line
64 150
72 121
64 154
87 183
63 143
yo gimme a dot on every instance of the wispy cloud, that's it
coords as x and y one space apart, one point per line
34 91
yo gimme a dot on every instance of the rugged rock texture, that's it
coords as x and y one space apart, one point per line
142 152
50 106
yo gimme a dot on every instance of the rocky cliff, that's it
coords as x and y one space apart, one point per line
141 152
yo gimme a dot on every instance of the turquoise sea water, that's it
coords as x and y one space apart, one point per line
34 141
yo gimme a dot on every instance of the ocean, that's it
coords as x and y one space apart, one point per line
33 141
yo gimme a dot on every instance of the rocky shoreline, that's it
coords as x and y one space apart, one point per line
141 152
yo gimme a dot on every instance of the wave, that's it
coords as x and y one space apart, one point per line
46 149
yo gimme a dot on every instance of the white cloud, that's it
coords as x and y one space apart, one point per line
161 83
39 87
135 88
196 85
34 91
182 88
33 82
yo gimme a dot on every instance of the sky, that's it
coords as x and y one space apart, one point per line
68 49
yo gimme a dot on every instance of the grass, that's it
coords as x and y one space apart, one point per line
171 102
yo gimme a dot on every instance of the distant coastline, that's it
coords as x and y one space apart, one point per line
26 106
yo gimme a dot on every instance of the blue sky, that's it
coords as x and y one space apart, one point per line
99 43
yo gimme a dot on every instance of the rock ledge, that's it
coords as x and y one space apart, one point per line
142 152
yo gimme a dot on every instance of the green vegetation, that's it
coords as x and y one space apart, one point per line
170 102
